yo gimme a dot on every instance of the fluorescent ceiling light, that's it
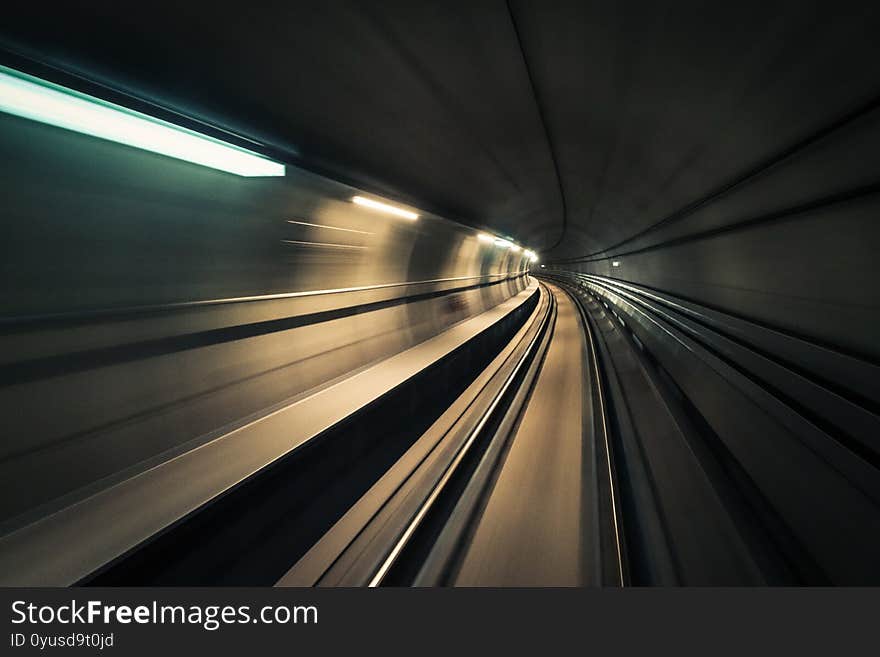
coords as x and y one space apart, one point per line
483 237
38 100
501 242
384 207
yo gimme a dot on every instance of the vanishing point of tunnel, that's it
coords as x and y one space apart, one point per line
440 294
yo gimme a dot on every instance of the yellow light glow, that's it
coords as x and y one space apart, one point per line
384 207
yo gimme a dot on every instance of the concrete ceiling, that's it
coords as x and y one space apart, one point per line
572 126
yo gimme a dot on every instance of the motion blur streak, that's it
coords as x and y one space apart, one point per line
356 374
37 100
348 230
384 207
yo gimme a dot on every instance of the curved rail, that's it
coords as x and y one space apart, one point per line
502 405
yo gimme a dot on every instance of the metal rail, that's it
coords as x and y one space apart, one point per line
603 425
536 348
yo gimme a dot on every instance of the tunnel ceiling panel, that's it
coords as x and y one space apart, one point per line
570 126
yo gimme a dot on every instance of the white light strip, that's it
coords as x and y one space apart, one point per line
347 230
38 100
483 237
384 207
323 245
501 242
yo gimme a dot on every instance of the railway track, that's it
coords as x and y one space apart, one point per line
709 413
556 441
507 493
512 483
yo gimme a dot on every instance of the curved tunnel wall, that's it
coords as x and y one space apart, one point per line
791 244
759 302
149 304
740 148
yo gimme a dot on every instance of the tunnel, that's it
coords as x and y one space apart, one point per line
440 294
